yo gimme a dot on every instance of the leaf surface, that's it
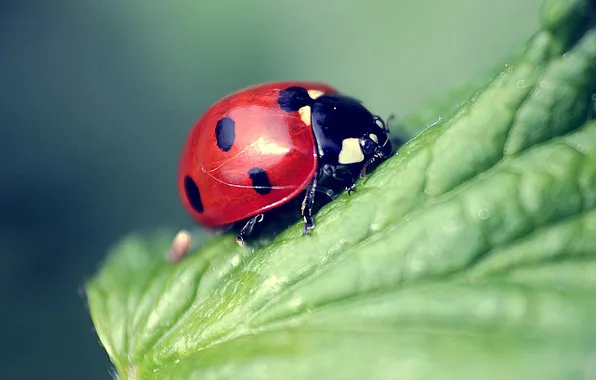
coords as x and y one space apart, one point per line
470 254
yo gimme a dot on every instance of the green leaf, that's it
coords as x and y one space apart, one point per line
471 254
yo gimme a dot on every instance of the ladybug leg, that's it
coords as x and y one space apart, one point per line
307 205
346 178
248 227
329 170
351 188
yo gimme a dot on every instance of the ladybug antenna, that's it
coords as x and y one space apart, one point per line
390 118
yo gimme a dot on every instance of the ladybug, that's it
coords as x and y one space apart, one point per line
258 148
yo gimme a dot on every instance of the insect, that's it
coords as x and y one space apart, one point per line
258 148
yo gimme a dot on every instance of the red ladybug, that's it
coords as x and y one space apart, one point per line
260 147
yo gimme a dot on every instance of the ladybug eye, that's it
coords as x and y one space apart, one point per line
368 146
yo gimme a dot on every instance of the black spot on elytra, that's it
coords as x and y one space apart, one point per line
193 194
293 98
260 181
225 133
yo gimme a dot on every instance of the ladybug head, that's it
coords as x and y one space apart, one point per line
375 143
347 133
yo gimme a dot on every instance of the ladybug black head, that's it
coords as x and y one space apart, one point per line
377 150
347 133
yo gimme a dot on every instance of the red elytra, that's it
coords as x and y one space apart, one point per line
246 155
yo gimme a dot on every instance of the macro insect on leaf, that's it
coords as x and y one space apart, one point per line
260 147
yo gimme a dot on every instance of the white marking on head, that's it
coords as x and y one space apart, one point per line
374 138
315 93
380 123
305 115
351 152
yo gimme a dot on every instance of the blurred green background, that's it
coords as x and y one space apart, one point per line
97 97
